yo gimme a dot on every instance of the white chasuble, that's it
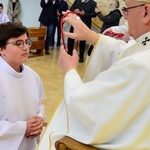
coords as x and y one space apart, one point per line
111 111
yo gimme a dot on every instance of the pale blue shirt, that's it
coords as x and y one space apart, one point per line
4 18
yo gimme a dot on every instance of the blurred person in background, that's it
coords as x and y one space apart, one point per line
13 10
3 16
48 18
112 19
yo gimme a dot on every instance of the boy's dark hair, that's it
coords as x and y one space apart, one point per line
1 5
11 30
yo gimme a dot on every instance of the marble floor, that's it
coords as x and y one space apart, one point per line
52 77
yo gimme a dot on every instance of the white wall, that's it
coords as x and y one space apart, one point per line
30 11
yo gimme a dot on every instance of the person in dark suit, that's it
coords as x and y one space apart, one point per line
63 6
86 10
112 19
48 18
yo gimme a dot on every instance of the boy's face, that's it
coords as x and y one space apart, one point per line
13 54
1 9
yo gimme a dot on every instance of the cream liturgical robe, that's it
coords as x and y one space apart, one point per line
20 99
111 110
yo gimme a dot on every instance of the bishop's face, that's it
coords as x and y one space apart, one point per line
140 15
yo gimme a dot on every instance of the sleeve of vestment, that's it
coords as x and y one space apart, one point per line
103 56
100 109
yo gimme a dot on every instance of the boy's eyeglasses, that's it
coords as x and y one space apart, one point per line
20 43
125 9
